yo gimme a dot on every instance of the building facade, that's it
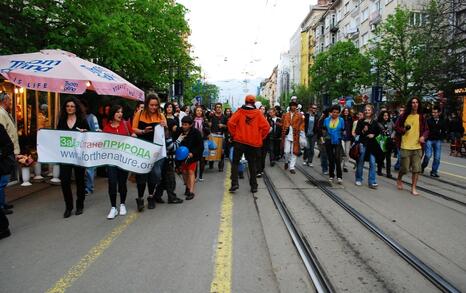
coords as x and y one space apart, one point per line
268 87
295 58
308 39
283 76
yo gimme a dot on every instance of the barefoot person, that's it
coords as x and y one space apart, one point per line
412 131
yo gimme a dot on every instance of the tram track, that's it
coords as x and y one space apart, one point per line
430 191
440 282
312 264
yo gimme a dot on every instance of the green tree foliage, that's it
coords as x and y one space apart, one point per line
145 41
264 101
419 53
304 94
396 55
340 71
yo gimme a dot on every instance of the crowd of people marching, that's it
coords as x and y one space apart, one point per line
252 133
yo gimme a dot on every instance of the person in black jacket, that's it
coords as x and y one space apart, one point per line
7 164
310 129
437 132
191 138
72 118
275 136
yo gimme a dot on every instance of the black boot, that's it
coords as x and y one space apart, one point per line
190 196
140 204
150 202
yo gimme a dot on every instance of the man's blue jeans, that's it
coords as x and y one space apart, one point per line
90 176
4 179
360 166
435 147
309 150
240 165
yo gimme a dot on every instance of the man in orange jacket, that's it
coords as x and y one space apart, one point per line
248 128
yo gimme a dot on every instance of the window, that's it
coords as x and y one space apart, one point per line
322 29
333 20
364 14
334 39
364 39
417 19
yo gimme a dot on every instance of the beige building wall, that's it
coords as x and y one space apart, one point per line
356 20
308 39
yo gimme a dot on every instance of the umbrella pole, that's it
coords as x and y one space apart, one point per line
37 110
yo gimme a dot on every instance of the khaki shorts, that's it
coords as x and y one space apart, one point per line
410 160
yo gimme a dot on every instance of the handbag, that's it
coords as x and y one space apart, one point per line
354 151
302 140
382 140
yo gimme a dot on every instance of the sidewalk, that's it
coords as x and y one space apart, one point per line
16 191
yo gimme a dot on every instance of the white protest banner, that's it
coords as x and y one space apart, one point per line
159 141
92 149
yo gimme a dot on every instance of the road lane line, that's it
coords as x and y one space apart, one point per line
448 173
453 164
80 268
223 259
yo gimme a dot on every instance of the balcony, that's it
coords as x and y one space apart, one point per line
333 27
352 32
375 18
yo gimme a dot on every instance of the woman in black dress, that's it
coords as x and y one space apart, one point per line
72 118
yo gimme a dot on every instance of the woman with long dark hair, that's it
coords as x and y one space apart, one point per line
144 123
72 118
172 121
117 177
386 125
347 138
202 124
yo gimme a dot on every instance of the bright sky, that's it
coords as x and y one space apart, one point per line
242 39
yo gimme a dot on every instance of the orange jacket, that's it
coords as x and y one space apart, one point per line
297 124
248 126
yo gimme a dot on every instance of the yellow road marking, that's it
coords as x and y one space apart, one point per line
447 173
80 268
453 164
223 259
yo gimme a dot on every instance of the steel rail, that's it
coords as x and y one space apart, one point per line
431 192
313 267
425 270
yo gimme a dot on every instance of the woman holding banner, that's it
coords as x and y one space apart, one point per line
72 118
144 123
117 177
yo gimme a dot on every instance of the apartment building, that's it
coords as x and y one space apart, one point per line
268 87
283 76
295 58
356 20
308 38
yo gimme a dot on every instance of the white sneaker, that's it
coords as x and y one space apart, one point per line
113 213
358 183
304 163
122 209
326 173
310 165
340 181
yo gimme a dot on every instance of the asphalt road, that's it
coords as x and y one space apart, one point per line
172 248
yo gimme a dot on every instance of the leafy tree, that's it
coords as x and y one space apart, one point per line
143 41
264 101
340 71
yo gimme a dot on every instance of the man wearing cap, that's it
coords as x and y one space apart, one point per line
293 125
248 128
